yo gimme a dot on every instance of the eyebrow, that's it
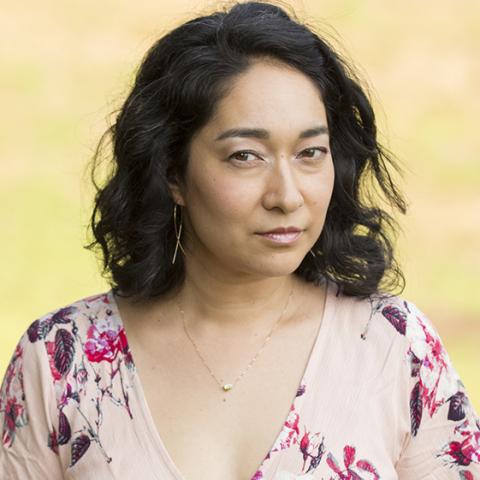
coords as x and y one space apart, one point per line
264 134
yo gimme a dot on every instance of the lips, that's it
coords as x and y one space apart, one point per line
283 230
284 238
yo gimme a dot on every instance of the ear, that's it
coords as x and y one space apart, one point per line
176 192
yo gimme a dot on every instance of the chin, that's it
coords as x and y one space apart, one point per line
278 265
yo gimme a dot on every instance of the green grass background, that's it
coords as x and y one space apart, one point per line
65 66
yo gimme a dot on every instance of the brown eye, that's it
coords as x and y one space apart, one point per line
321 152
241 156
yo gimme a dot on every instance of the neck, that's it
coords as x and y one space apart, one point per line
216 304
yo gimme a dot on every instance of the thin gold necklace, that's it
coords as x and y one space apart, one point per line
228 386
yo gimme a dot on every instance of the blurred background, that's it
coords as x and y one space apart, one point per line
65 66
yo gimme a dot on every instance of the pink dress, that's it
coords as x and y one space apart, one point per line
386 406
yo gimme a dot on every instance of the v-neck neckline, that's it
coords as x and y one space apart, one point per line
313 361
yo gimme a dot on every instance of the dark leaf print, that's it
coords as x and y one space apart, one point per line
466 475
348 455
79 447
39 329
62 315
300 390
456 410
64 430
416 408
396 317
416 363
368 467
64 350
33 331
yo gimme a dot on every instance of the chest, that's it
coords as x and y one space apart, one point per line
207 432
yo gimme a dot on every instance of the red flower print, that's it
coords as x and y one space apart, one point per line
309 446
52 441
12 398
351 471
67 393
104 341
129 360
466 450
103 297
15 416
456 451
304 445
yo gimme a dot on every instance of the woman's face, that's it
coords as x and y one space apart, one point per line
261 163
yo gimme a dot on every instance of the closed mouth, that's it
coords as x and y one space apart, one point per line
285 237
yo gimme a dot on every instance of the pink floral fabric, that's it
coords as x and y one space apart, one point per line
379 399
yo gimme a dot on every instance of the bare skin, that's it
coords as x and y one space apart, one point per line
237 282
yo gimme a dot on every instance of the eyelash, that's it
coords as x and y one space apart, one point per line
232 157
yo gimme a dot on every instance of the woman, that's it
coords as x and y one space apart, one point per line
251 330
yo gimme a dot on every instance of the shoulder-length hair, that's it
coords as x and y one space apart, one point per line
176 89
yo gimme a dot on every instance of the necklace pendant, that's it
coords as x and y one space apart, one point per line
227 387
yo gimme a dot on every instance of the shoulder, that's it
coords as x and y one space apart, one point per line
64 364
78 314
395 331
390 316
78 318
56 352
378 318
443 427
423 348
89 327
48 349
430 379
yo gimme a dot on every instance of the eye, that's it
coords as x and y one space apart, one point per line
242 156
311 152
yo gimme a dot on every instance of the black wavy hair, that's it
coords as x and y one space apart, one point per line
180 81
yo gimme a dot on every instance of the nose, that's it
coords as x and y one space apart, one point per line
282 189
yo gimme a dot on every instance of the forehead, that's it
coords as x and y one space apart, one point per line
270 95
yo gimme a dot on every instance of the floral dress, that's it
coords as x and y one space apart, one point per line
378 399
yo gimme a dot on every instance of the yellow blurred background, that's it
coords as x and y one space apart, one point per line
66 65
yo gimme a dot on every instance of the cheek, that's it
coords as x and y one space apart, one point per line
321 188
220 200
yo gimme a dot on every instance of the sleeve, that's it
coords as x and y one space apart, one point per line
27 406
443 441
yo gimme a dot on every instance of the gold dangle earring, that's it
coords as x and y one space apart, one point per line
178 233
319 253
